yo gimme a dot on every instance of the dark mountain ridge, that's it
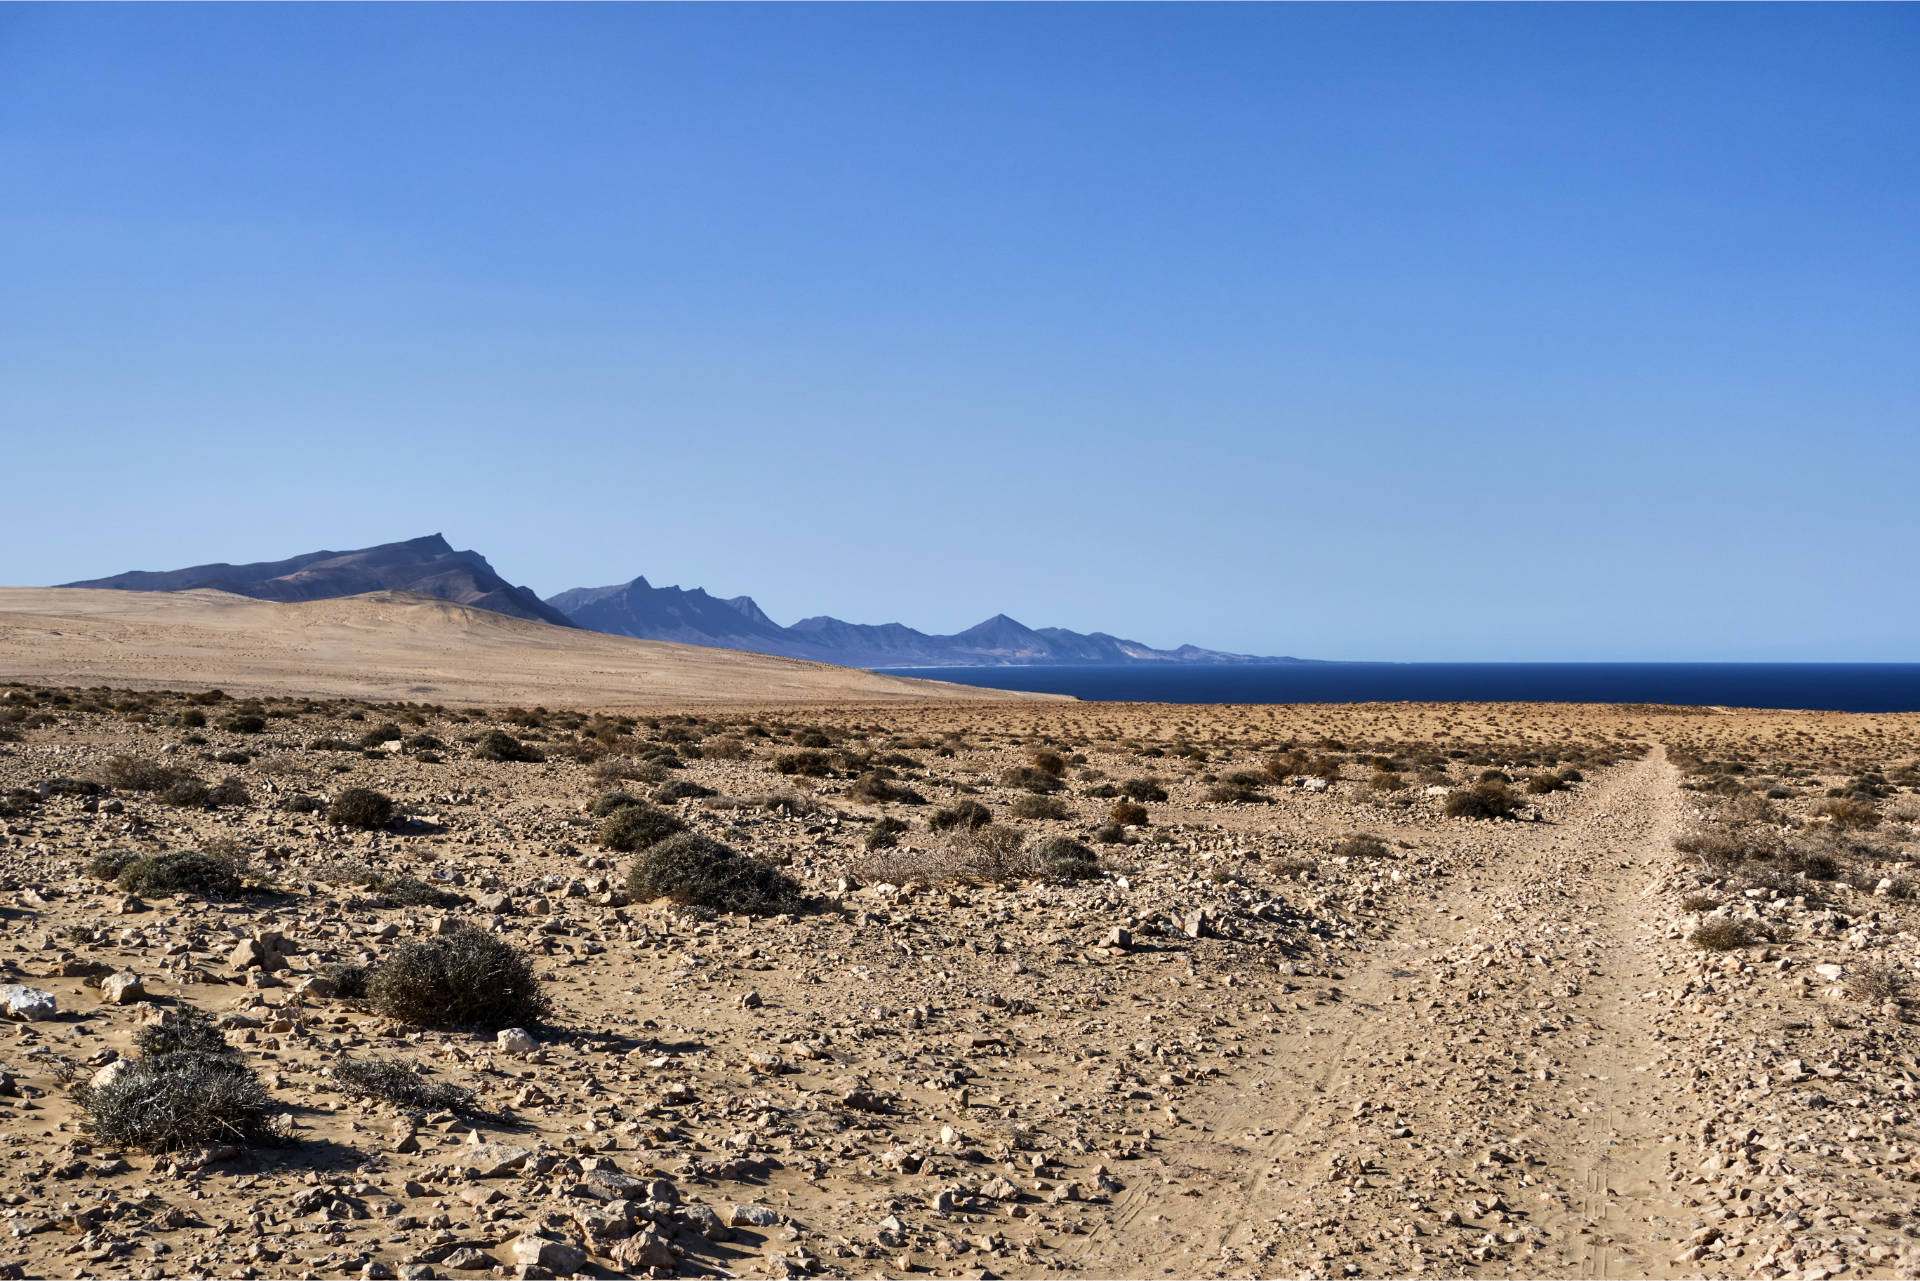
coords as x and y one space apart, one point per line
427 565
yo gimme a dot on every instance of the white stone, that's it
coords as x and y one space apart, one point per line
29 1004
516 1041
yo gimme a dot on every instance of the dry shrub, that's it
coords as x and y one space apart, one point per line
1031 779
179 872
1127 814
1048 763
698 871
961 814
1365 845
187 1088
803 764
467 978
136 774
872 789
631 828
1848 813
1488 799
391 1081
983 855
1875 985
620 769
361 807
498 745
1040 807
1724 935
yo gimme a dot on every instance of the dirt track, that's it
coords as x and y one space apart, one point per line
1492 1058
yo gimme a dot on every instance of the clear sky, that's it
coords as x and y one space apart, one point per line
1495 332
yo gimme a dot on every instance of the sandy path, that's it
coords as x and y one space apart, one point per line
1492 1059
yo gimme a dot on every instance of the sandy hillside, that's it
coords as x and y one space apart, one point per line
397 645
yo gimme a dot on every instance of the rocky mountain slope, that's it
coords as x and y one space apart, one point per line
427 565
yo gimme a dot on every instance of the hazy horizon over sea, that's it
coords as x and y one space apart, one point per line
1836 687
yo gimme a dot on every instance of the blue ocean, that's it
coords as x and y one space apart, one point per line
1839 687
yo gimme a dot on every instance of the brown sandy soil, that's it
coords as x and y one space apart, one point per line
1246 1046
397 645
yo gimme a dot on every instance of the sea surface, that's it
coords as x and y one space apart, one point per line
1843 687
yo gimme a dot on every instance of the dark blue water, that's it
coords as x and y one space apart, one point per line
1840 687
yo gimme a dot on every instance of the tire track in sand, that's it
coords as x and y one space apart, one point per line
1480 1097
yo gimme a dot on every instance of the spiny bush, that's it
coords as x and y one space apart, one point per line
679 789
1127 814
498 745
631 828
1386 781
1282 766
391 1081
1143 789
179 872
244 723
1848 813
108 864
1048 763
1488 798
301 803
134 774
1040 807
230 791
625 769
1065 859
1364 845
467 978
188 1088
698 871
349 980
1541 784
884 833
975 855
608 802
387 733
1723 935
804 764
361 807
875 790
961 814
187 793
1029 778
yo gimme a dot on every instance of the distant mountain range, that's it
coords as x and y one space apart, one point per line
691 617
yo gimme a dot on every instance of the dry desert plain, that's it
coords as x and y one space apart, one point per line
1214 991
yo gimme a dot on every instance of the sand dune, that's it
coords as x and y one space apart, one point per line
397 645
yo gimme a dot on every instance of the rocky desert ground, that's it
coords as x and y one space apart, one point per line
1002 989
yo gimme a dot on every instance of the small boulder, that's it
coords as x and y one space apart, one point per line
28 1004
561 1258
123 988
516 1041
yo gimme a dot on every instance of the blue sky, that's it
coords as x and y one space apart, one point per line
1496 332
